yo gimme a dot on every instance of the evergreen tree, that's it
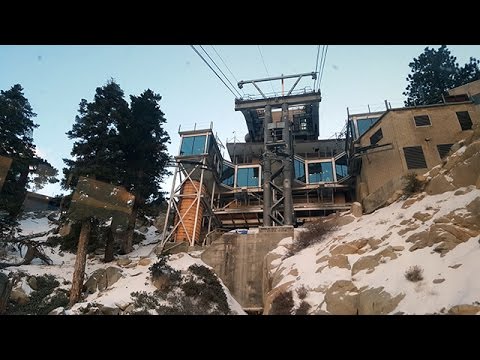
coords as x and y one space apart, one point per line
434 72
16 143
96 154
144 146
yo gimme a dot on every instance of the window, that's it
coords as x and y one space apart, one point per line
414 157
320 172
299 168
248 177
443 149
341 168
193 145
364 124
422 120
376 137
464 120
228 174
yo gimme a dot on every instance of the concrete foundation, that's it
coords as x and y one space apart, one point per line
238 260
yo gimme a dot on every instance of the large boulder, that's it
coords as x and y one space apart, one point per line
19 296
356 209
438 185
102 279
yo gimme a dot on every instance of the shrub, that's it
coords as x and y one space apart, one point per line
162 269
41 303
282 304
411 184
302 292
314 233
211 292
414 273
303 308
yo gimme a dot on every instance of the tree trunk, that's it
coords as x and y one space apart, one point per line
127 236
109 242
5 289
80 260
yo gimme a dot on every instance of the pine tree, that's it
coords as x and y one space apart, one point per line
144 145
433 73
16 144
96 154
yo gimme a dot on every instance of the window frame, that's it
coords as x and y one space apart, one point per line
421 126
307 172
237 167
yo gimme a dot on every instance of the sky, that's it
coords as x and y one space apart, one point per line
56 78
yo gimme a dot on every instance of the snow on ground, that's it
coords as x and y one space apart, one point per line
135 279
461 285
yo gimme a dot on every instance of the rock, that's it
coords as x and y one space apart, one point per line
356 209
106 310
422 216
344 220
408 228
272 294
359 244
376 301
466 172
293 272
412 200
122 305
32 282
57 311
129 309
398 248
342 298
386 236
464 309
123 262
366 262
456 266
371 261
344 249
145 262
438 281
322 259
102 279
19 296
438 185
374 243
405 222
396 195
340 261
131 265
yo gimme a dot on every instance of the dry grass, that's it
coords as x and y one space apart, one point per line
414 273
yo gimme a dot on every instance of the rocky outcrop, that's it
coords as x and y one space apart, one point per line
342 298
376 301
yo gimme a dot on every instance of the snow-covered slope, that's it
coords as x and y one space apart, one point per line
374 251
133 272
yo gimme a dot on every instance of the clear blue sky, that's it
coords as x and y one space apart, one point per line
56 78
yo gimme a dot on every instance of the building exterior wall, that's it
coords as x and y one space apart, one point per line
398 127
471 89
